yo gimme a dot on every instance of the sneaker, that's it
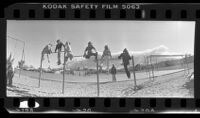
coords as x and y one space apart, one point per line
58 62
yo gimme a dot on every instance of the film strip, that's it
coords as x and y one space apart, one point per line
24 102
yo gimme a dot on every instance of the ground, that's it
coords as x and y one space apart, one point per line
172 85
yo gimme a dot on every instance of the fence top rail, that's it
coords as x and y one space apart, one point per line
57 52
164 55
73 56
17 39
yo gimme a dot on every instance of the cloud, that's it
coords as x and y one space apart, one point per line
159 50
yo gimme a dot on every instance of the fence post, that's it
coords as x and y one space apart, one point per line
152 68
187 66
97 74
40 71
135 85
148 67
63 85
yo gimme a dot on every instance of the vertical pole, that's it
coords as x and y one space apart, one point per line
97 75
157 64
152 67
187 66
40 71
148 66
183 64
21 60
134 73
63 84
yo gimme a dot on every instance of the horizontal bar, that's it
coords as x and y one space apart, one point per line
57 52
79 56
16 39
164 55
73 56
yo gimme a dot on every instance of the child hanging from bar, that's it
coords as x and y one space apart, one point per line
59 46
47 50
89 51
106 57
113 71
125 58
68 51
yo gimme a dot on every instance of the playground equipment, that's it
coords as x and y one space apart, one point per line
134 76
64 68
152 62
23 54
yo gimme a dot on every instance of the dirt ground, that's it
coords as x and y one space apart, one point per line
172 85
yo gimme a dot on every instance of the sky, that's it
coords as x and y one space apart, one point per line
177 36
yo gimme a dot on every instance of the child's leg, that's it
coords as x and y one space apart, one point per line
66 59
107 63
127 71
71 56
115 78
42 56
59 61
48 58
94 54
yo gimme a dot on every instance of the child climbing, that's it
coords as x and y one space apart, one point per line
89 51
59 46
47 50
68 51
125 58
106 56
113 71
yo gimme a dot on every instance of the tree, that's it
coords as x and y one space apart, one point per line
9 70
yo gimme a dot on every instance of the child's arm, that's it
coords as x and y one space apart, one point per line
115 70
94 49
119 57
56 47
85 51
129 56
110 53
62 45
103 54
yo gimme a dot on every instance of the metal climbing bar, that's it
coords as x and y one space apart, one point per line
63 82
97 64
164 55
73 56
133 63
23 55
152 69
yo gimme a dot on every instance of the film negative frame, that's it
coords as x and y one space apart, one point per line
152 12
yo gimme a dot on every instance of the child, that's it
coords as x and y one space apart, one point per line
59 46
125 58
88 51
47 50
68 51
106 55
113 72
